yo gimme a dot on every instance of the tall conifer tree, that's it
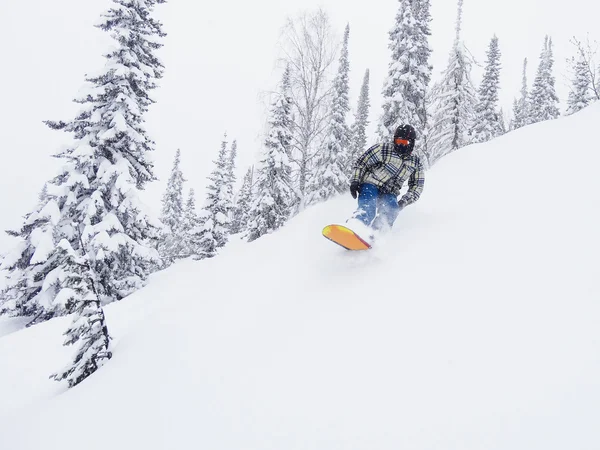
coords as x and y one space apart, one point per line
274 195
172 213
544 101
522 106
488 121
423 15
172 201
190 242
361 122
241 213
214 218
87 242
231 179
454 100
406 86
91 217
89 324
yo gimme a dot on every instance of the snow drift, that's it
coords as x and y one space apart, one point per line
474 324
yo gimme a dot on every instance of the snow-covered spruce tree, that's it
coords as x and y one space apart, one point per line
213 230
172 213
522 106
405 87
16 298
361 122
190 242
274 196
502 121
27 266
454 100
91 213
544 101
580 95
231 180
329 176
488 121
231 167
241 211
89 324
172 209
423 15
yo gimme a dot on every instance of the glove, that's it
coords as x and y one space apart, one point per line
401 204
354 189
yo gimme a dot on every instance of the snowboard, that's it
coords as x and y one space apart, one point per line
345 237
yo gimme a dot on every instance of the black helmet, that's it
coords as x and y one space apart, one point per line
405 133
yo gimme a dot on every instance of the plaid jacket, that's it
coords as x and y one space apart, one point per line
382 166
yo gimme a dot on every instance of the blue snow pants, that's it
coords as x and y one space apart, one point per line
372 203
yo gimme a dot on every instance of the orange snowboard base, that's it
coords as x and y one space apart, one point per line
345 237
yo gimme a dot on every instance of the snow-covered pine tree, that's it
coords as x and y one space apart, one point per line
213 230
423 16
172 213
405 87
172 209
16 295
92 206
502 121
78 294
454 100
190 245
361 122
26 266
488 121
522 106
274 196
241 210
231 180
232 157
329 176
544 101
580 95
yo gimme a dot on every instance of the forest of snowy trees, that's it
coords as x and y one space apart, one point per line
89 241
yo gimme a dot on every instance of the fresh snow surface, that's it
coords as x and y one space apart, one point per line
474 324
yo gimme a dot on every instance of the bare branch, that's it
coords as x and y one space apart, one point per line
309 47
587 51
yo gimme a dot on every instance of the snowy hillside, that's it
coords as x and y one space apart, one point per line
473 325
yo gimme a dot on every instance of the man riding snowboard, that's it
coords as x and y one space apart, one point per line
379 174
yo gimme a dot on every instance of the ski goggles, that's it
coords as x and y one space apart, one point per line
400 141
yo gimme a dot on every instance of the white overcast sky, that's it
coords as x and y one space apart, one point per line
220 58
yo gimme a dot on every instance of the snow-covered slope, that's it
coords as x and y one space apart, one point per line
473 325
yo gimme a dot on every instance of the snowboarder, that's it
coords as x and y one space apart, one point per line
379 174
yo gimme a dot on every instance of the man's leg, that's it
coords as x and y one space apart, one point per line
367 203
387 211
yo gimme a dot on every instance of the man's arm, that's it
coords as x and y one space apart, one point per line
415 187
368 159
